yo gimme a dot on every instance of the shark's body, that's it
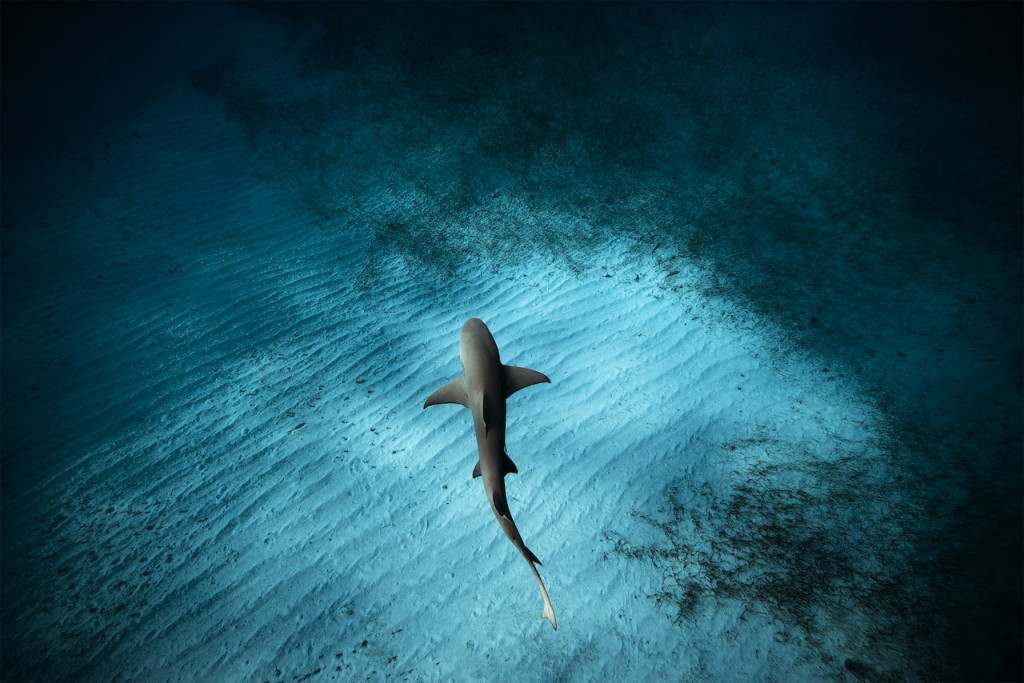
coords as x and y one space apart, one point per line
483 388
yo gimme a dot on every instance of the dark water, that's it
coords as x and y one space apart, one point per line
851 172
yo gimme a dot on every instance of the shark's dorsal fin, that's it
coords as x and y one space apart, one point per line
476 470
453 392
520 378
483 413
507 465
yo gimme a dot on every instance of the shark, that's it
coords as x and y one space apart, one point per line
483 387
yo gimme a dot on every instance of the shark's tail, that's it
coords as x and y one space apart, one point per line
549 611
512 532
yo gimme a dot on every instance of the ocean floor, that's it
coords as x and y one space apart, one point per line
770 256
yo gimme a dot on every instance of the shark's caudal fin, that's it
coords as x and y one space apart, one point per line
549 614
453 392
549 611
520 378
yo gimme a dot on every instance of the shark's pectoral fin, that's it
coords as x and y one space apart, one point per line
520 378
476 470
453 392
507 465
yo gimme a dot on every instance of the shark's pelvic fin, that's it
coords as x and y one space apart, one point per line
453 392
507 466
520 378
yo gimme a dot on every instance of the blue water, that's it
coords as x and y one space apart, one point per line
848 173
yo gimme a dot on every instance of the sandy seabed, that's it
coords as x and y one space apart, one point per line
226 301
